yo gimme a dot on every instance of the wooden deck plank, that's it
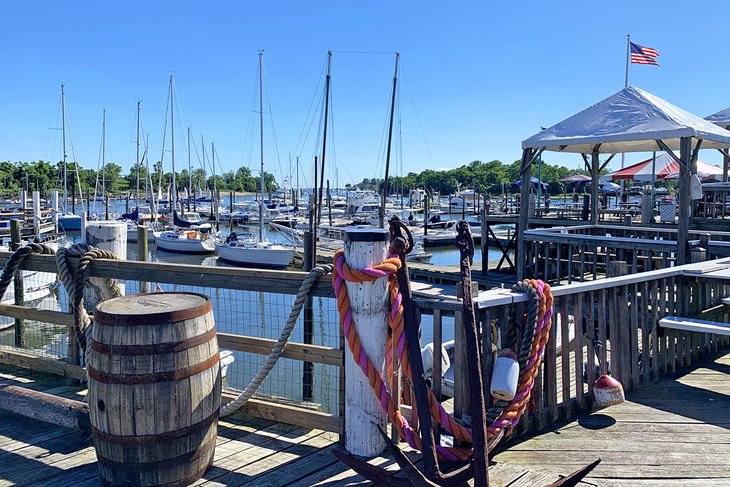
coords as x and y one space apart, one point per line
673 432
286 455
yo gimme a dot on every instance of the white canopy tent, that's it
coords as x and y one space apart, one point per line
722 118
631 120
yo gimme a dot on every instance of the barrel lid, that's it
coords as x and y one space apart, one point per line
152 308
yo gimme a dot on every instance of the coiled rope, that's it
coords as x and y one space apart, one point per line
276 351
502 416
73 281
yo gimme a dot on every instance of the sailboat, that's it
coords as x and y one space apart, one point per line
248 249
67 220
184 238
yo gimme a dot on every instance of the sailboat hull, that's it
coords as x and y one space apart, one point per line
69 222
256 256
173 242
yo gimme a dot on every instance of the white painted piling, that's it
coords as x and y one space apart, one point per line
54 209
369 304
105 235
82 227
37 213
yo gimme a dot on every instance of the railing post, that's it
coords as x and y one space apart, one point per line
143 253
369 306
484 239
308 335
17 284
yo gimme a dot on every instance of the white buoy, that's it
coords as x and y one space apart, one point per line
505 376
369 305
105 235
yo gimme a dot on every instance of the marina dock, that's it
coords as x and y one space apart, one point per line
671 433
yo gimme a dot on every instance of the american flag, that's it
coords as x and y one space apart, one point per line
643 55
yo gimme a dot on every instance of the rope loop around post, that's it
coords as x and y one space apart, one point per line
503 416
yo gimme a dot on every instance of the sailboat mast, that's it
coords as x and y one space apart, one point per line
190 173
261 143
172 142
202 149
324 135
103 153
381 213
63 148
296 201
214 199
139 163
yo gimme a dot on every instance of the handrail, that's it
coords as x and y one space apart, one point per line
285 282
501 297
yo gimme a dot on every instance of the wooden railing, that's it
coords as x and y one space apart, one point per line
621 312
713 209
268 281
583 253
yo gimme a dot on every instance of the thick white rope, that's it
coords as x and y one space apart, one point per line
278 349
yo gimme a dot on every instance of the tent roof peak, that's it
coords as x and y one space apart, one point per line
630 120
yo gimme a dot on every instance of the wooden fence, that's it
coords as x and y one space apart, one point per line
582 253
621 312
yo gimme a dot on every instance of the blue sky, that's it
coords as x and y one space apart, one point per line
477 77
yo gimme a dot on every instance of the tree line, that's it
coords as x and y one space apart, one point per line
46 177
492 177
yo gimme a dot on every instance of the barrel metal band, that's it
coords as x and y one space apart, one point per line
153 378
165 464
153 439
169 347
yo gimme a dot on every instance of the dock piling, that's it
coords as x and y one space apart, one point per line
36 214
17 284
54 209
368 303
143 253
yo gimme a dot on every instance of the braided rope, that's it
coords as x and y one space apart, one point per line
277 350
503 415
75 281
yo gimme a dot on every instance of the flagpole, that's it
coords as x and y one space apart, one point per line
628 55
626 85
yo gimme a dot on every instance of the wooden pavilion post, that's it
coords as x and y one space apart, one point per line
685 172
524 207
594 186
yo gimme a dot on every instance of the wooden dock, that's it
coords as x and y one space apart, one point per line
674 432
671 433
249 451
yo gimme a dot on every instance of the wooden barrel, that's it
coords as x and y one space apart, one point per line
154 388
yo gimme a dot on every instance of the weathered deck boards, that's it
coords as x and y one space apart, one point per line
673 432
251 452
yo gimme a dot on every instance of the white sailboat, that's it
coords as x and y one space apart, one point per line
184 238
246 249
